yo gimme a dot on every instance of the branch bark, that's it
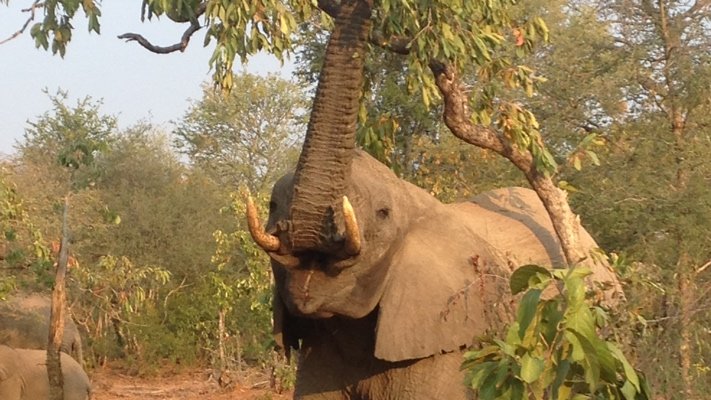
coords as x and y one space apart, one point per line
180 46
56 318
457 117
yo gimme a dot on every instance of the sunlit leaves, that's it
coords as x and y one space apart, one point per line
71 136
584 151
57 23
241 267
244 28
376 134
552 350
21 242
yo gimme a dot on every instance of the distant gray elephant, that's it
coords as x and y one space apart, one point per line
23 376
24 323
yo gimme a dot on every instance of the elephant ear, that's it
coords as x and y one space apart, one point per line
446 287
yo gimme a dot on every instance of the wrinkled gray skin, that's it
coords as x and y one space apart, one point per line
24 323
391 322
23 376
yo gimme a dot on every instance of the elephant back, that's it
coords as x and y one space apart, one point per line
76 383
515 222
24 323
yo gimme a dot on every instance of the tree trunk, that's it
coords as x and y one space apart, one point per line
56 318
321 173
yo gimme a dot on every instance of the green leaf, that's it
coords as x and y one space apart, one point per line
480 373
628 390
531 368
629 371
517 390
521 279
527 310
578 352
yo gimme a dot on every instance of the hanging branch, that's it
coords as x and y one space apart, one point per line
180 46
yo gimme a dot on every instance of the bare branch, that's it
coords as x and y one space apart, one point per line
180 46
37 4
184 40
457 115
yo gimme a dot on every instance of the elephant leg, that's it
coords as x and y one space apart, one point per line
319 376
436 377
10 389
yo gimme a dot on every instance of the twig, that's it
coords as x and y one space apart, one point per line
703 267
37 4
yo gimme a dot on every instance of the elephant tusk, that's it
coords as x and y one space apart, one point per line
352 232
261 237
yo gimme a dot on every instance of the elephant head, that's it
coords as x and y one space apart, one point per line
346 236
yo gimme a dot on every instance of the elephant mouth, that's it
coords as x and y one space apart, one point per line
316 293
347 245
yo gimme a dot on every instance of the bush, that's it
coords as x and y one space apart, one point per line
552 350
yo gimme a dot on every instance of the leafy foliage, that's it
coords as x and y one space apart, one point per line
23 244
116 293
552 350
241 283
248 137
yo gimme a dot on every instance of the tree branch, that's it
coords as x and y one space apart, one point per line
180 46
398 45
703 267
37 4
457 117
330 7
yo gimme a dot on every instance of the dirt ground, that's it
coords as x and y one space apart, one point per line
110 384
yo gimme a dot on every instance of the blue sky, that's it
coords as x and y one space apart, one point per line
133 83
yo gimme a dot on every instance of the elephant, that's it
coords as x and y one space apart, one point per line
429 279
378 285
23 376
24 323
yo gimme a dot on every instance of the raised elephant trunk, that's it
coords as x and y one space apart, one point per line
322 172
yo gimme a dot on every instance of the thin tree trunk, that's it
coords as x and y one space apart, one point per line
221 340
686 299
56 325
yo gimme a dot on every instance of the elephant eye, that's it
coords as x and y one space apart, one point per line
272 206
383 213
